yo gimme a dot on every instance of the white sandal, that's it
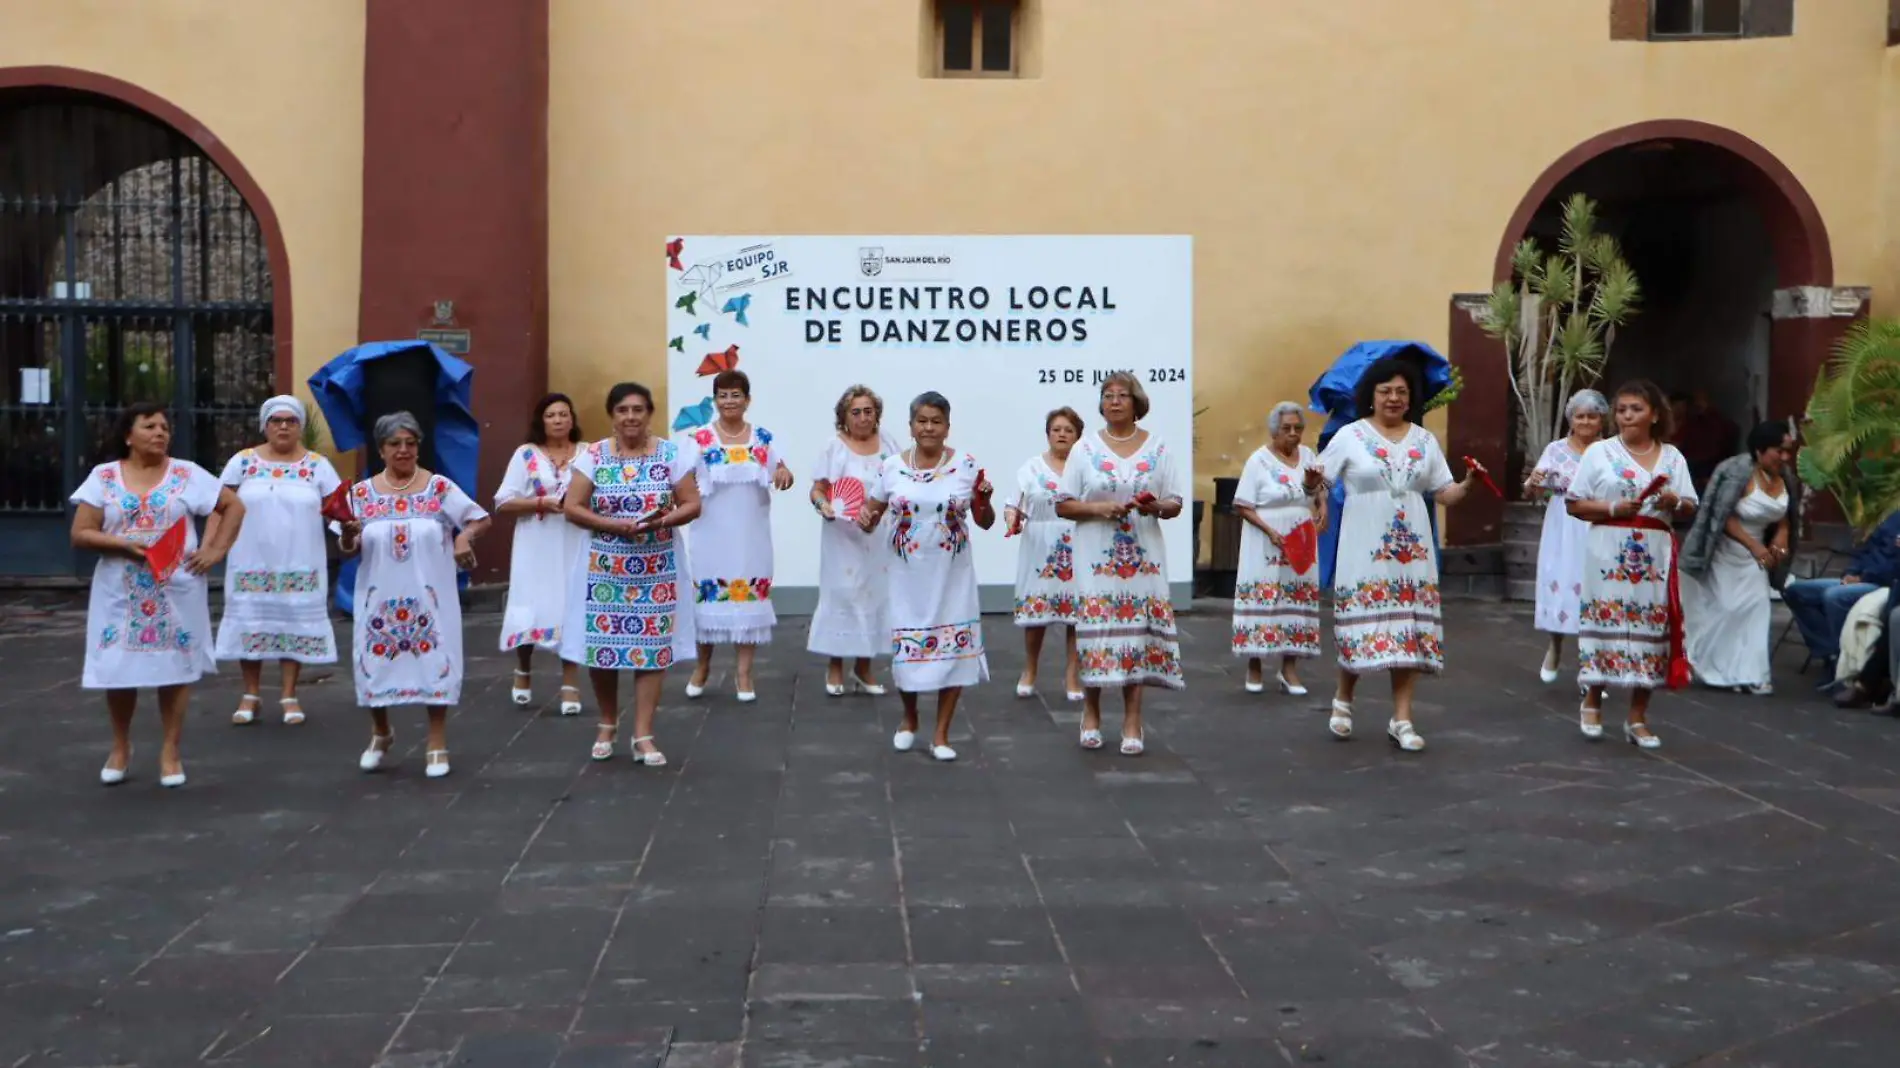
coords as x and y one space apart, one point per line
246 716
604 747
1592 731
1403 736
1645 740
379 745
293 710
1341 722
1131 746
655 759
438 763
1091 738
521 694
573 707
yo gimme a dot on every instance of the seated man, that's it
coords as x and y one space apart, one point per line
1820 605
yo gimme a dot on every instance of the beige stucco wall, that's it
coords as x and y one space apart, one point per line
278 81
1343 165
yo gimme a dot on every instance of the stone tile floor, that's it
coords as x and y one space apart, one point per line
791 893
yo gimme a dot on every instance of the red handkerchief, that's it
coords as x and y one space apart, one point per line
1300 546
165 554
337 505
1655 486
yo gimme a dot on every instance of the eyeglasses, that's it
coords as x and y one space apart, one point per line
282 420
1118 396
402 444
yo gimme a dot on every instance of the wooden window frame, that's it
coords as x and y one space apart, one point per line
976 45
1695 19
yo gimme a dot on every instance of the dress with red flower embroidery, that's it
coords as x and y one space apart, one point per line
936 625
1623 629
1385 584
541 564
407 634
140 632
1276 609
1045 561
730 544
1125 634
276 580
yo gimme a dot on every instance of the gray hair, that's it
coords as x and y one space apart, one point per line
1586 400
1137 396
930 399
395 423
1281 411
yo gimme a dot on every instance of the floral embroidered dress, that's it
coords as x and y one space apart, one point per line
1560 550
542 561
936 630
624 611
407 640
138 632
1276 609
1125 633
1045 561
277 578
1385 585
1623 628
853 567
731 542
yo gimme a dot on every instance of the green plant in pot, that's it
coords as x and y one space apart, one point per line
1851 441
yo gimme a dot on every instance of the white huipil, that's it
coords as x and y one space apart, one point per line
1045 561
277 578
1125 630
408 632
853 566
936 636
1560 549
1276 609
1624 622
730 544
140 632
541 564
1726 613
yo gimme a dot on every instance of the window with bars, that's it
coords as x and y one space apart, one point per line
1700 20
978 38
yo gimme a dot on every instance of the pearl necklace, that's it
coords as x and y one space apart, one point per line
1130 436
404 488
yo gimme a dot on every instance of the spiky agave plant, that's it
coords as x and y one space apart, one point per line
1558 316
1851 444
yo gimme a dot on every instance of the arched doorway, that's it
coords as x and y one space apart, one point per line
132 267
1730 251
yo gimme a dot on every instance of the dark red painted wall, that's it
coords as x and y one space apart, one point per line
455 201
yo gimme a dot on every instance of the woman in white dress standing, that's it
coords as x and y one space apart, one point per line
731 544
139 631
1276 607
1630 637
414 529
933 493
1045 561
541 564
1560 549
853 571
277 585
1385 586
1739 538
1118 485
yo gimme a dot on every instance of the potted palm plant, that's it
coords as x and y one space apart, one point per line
1851 441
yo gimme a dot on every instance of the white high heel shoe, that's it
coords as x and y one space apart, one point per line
655 759
174 780
1592 731
1255 687
244 717
1291 689
292 709
1023 689
1547 671
869 689
570 706
1403 736
695 691
1341 722
438 763
521 695
111 776
373 757
1645 740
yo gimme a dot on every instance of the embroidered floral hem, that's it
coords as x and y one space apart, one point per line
283 645
546 637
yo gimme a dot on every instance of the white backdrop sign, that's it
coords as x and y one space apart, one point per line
1007 328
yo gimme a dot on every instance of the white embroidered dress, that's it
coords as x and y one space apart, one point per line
1276 609
138 632
277 578
1125 634
1045 561
1727 614
407 638
852 617
1560 549
1623 629
936 637
1386 601
730 544
541 564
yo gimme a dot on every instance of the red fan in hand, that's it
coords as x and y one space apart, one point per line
1300 546
337 505
165 554
847 497
1483 476
1655 486
1145 499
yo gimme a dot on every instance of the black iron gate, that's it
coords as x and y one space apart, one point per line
130 269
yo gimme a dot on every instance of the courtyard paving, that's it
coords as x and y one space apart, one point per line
792 893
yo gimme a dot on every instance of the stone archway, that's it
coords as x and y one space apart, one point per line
1807 313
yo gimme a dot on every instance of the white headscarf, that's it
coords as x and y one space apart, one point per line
280 405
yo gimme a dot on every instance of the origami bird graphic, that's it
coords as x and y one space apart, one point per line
673 250
737 306
688 301
694 416
678 343
716 362
704 330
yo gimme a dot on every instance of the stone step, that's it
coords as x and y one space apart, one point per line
1520 589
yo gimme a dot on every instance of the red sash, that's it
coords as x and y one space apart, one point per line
1679 673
